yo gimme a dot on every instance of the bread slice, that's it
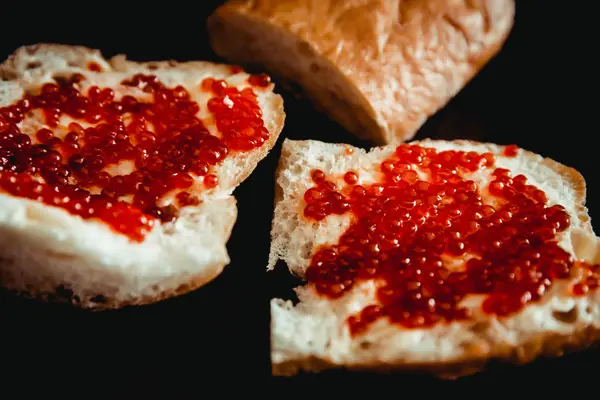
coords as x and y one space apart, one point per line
51 253
315 334
378 67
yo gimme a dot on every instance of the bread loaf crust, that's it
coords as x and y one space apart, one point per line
382 81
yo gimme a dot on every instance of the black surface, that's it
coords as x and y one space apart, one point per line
535 93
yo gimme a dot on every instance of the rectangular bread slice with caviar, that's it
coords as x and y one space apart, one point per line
432 256
380 68
116 177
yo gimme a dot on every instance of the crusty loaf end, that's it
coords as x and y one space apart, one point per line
380 82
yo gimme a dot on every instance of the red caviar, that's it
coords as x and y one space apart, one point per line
238 115
211 181
162 140
95 67
590 281
406 227
351 177
261 80
511 150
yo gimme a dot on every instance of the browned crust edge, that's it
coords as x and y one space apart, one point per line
477 64
68 298
543 346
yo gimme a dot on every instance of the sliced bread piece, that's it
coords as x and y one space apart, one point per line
434 256
116 177
378 67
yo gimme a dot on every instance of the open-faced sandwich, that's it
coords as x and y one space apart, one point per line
116 177
431 255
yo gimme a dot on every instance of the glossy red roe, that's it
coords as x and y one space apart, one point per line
162 141
261 80
95 67
589 282
511 150
351 177
237 115
407 225
211 181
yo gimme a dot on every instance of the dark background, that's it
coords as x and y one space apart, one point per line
538 93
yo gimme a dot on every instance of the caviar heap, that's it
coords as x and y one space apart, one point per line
165 144
408 227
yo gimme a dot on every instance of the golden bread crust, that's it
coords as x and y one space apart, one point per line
407 60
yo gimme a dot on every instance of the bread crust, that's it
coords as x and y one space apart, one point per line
381 82
575 324
546 346
110 271
63 296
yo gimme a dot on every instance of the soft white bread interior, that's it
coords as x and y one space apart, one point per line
378 67
49 253
313 335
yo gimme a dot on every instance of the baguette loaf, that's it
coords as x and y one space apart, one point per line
378 67
163 163
513 279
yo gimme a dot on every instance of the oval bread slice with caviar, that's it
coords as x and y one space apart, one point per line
433 255
116 177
